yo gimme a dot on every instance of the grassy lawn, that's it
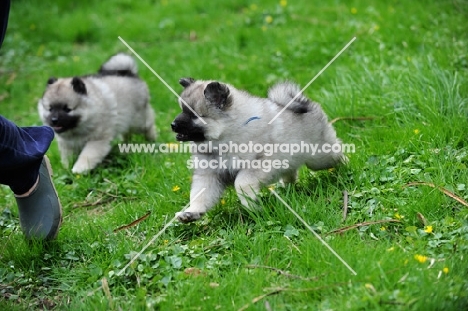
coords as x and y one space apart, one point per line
407 72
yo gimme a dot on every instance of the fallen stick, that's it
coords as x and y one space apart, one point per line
445 191
345 205
367 223
133 223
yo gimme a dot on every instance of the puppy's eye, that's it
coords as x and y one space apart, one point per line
66 109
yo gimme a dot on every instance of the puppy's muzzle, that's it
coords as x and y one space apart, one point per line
175 126
186 130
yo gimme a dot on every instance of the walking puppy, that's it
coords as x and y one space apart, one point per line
88 112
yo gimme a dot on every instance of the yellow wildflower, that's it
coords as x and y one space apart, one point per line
283 3
383 228
166 242
223 202
416 131
391 249
428 229
353 10
175 188
420 258
445 270
376 27
398 216
268 19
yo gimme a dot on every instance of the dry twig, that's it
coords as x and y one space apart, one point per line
133 223
445 191
422 219
367 223
345 204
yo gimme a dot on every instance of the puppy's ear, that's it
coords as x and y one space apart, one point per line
78 86
186 81
51 80
217 94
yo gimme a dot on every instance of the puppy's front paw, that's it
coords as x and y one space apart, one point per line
80 168
186 217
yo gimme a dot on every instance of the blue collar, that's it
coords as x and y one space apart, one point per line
251 119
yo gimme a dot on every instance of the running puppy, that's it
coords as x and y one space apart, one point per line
220 115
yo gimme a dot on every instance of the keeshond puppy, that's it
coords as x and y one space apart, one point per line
246 141
88 112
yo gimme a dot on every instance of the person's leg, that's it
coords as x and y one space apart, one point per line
21 153
26 170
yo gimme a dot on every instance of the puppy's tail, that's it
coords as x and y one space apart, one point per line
120 65
289 94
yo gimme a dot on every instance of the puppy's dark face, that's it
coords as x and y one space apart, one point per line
61 102
186 127
202 103
60 119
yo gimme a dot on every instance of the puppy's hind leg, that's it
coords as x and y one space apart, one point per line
289 177
150 128
326 161
248 184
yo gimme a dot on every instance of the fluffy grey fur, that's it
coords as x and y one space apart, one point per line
88 112
235 116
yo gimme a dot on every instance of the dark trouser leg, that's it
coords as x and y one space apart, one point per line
21 153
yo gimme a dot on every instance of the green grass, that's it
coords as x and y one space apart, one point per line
408 69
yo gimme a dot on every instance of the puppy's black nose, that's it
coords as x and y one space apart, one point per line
174 126
54 120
